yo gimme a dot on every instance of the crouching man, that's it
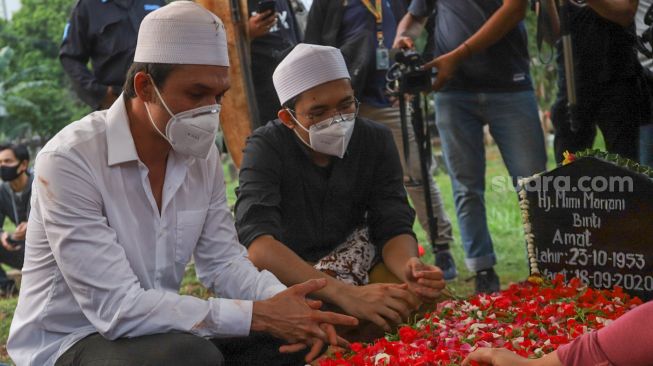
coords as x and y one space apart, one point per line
321 196
123 198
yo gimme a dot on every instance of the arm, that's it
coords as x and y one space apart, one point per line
74 55
258 214
409 28
621 12
507 17
503 357
391 218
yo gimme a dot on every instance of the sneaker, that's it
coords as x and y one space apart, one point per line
487 282
444 260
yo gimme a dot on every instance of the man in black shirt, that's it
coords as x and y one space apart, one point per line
15 193
320 186
609 80
272 33
105 32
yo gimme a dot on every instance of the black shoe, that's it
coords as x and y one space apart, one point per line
487 282
445 262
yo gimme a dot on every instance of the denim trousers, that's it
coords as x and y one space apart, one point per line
514 124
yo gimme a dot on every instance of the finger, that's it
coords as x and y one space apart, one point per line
334 318
429 65
380 322
480 355
398 292
314 304
343 342
330 331
438 284
430 272
391 315
292 348
315 351
309 286
400 307
427 295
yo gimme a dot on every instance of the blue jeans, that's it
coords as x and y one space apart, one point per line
515 126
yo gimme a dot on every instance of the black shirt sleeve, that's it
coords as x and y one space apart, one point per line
389 213
258 204
74 55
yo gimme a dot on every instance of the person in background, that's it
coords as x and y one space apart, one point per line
122 200
358 21
483 79
626 341
272 34
15 194
104 32
610 85
645 131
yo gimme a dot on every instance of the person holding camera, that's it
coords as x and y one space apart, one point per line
483 78
273 30
611 89
364 31
15 194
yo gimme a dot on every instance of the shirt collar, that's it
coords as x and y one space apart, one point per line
120 142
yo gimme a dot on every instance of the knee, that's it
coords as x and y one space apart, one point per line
194 350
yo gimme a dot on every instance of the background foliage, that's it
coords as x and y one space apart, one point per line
36 100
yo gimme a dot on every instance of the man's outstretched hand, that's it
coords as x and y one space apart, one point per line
289 315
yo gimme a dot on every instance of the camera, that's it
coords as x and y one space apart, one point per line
408 73
13 242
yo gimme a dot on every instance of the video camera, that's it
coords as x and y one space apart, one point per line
407 74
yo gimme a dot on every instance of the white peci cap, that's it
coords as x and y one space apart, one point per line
307 66
182 32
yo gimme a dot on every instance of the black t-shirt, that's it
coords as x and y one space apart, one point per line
503 67
312 210
267 51
603 52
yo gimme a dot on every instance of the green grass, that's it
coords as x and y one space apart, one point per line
503 219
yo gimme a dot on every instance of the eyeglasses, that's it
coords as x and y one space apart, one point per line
319 115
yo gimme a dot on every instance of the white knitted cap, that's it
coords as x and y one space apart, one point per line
307 66
182 32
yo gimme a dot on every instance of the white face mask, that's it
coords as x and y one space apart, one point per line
330 136
191 132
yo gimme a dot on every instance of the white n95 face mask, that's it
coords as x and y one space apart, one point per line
190 132
330 136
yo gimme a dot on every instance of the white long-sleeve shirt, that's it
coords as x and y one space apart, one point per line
100 258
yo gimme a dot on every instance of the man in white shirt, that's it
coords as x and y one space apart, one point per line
123 198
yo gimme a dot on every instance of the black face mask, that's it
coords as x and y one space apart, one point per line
9 173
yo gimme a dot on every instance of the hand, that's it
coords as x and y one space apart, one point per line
383 304
495 357
447 65
403 42
5 243
290 316
424 280
260 24
21 229
108 99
